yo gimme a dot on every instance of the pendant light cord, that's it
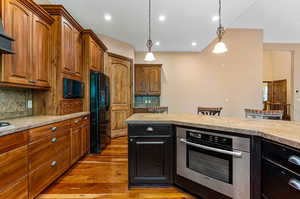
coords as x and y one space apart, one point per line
149 20
220 12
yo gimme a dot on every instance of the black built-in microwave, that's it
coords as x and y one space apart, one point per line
73 89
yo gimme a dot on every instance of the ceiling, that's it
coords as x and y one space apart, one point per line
186 21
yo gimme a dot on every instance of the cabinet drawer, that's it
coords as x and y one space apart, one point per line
41 132
149 130
45 149
285 156
13 141
19 190
47 173
13 166
279 183
80 121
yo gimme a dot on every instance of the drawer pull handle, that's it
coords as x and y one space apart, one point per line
53 140
53 129
53 163
85 118
294 160
150 129
76 121
295 184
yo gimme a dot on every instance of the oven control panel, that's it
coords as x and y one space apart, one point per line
210 139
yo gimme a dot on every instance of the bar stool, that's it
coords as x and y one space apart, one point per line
267 114
209 110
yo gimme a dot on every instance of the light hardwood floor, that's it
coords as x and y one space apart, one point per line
105 176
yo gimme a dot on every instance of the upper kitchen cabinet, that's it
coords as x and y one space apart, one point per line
67 42
29 25
93 51
148 79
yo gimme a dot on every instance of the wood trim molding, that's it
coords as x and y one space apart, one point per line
95 38
38 10
59 10
119 57
6 84
148 65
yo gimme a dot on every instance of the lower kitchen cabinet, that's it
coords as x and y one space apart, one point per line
75 144
280 171
32 160
150 155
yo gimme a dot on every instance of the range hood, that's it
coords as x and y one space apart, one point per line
5 41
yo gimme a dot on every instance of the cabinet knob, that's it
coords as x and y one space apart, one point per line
53 129
295 184
294 160
76 121
53 140
53 163
131 140
32 81
150 129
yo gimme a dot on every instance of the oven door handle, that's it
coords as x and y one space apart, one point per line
236 154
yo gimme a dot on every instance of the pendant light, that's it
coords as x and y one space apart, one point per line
149 56
220 47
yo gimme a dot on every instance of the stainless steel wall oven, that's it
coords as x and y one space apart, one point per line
218 161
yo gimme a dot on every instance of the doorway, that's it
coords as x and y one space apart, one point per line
277 82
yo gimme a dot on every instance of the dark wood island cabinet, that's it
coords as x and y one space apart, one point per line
150 155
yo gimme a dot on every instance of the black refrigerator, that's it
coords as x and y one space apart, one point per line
99 110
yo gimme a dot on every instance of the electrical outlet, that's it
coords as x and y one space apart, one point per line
29 104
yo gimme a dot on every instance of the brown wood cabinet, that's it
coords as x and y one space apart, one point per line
80 138
14 166
33 159
119 71
66 56
29 25
148 79
93 51
93 59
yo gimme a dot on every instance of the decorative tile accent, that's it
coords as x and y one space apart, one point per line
143 101
13 102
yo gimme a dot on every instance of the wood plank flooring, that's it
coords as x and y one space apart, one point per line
105 176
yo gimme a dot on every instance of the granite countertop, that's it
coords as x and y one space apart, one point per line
285 132
25 123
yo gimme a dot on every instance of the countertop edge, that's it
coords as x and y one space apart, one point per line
278 139
58 118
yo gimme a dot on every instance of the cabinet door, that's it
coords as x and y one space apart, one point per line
41 52
18 25
140 81
85 140
120 73
153 78
150 160
93 55
67 47
78 53
75 144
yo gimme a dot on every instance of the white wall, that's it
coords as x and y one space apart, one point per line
118 47
232 80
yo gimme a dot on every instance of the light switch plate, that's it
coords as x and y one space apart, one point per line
29 104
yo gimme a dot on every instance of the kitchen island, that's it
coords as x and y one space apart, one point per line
215 157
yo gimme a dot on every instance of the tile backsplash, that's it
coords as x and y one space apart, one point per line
13 102
142 101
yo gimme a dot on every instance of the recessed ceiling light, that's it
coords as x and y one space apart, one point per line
215 18
157 43
107 17
162 18
194 44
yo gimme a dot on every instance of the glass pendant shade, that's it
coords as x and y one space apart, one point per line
149 57
220 48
